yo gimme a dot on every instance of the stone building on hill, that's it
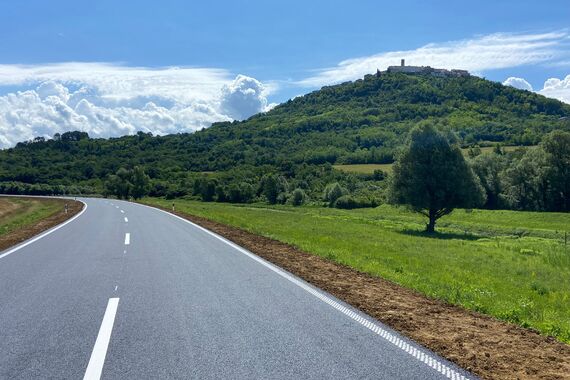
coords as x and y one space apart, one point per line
424 70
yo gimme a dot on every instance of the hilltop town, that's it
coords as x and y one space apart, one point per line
423 70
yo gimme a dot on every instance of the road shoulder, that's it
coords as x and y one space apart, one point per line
20 235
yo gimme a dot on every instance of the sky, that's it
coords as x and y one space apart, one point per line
112 68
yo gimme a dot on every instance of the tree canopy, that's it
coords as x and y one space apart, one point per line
432 177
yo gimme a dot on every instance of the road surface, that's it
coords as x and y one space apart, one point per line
125 291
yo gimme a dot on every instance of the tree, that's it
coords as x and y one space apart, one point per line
270 188
119 184
141 183
332 192
556 145
298 197
489 168
525 182
432 177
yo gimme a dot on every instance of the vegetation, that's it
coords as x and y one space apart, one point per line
508 264
432 177
16 213
361 122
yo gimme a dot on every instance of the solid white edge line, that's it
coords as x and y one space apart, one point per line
44 234
97 359
424 356
127 238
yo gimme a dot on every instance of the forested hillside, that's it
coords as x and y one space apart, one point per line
356 122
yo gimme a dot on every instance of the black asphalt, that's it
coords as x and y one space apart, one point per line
191 306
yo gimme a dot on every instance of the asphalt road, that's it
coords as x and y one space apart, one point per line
125 291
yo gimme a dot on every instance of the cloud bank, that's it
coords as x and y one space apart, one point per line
488 52
108 100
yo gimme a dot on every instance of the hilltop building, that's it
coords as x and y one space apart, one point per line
424 70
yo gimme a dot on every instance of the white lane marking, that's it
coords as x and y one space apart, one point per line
122 212
116 287
126 219
44 234
420 354
95 366
116 206
127 238
125 252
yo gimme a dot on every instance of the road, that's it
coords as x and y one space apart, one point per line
125 291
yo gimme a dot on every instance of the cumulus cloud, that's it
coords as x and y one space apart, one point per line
519 83
243 97
494 51
107 100
557 88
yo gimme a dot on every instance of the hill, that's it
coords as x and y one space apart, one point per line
351 123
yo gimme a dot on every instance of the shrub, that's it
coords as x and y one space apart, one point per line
298 197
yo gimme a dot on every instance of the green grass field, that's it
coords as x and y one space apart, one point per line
17 213
364 168
512 265
369 168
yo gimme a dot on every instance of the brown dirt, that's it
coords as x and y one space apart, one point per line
18 236
487 347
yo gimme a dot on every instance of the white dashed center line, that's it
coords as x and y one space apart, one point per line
127 238
122 212
95 366
126 219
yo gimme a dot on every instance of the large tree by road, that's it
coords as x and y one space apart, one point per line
432 177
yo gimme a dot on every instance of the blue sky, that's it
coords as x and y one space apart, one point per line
110 63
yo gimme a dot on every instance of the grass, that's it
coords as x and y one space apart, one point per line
16 213
511 265
364 168
369 168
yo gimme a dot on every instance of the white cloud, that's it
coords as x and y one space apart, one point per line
519 83
557 88
109 100
494 51
243 97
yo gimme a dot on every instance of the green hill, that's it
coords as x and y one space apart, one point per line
351 123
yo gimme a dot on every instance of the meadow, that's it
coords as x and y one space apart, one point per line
512 265
17 213
387 168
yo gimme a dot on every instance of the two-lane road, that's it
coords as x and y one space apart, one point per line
128 291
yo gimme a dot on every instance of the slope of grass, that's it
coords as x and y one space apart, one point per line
16 213
480 259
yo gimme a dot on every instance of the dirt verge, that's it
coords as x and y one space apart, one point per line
489 348
22 234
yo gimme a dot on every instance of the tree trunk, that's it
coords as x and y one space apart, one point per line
430 227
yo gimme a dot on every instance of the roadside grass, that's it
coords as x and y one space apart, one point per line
511 265
16 213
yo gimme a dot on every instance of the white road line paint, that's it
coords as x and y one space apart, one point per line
418 353
10 251
116 287
126 219
122 212
125 252
116 206
95 366
127 238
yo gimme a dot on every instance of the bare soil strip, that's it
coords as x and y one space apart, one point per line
20 235
487 347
